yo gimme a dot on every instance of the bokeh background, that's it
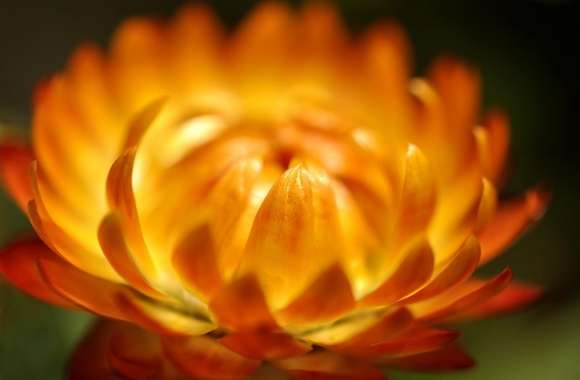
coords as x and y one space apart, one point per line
526 51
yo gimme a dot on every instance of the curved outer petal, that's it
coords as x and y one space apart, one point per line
265 345
511 219
449 358
19 266
15 161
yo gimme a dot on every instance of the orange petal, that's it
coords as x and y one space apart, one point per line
458 268
88 361
496 126
163 318
328 366
328 297
461 299
15 160
204 358
322 27
511 220
82 289
418 195
194 259
459 88
240 305
264 345
122 199
450 358
295 235
513 297
487 205
413 272
120 257
392 324
415 341
18 265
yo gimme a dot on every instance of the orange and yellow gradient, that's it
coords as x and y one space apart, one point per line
285 194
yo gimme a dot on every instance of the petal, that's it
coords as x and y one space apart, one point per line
513 297
120 257
510 221
415 269
328 297
418 195
328 366
415 341
459 88
88 361
264 345
164 318
392 324
18 265
487 205
240 305
461 299
458 269
15 161
294 236
235 201
450 358
195 261
204 358
122 199
82 289
496 146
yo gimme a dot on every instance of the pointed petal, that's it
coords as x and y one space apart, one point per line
459 88
294 236
120 257
487 205
391 325
18 265
164 319
264 345
121 198
415 341
328 297
450 358
496 127
413 272
82 289
240 305
328 366
15 161
513 297
510 221
461 299
204 358
458 269
418 195
195 261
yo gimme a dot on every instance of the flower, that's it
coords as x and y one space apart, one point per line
284 195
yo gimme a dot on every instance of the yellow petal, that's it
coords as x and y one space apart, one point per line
294 237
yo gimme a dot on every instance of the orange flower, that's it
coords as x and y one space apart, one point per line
284 195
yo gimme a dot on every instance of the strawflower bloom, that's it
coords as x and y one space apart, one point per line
284 197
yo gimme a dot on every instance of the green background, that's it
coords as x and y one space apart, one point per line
525 50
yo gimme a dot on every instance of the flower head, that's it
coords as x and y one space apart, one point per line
285 194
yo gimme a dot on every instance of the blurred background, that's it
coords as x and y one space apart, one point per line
526 51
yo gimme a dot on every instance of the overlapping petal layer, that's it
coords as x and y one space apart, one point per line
284 195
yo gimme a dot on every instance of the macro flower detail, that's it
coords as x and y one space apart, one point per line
282 198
